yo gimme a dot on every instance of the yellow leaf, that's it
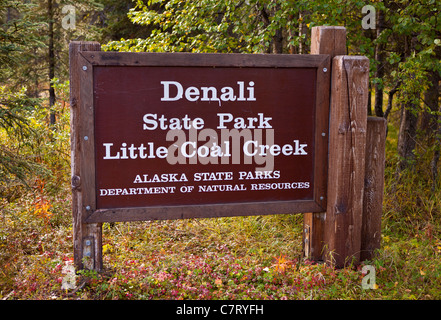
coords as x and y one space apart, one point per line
107 248
422 272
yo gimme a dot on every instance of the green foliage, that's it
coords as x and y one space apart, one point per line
114 24
30 148
13 109
415 23
21 38
236 26
25 38
26 140
15 166
208 25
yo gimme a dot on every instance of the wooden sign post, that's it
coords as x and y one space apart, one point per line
87 237
180 135
350 228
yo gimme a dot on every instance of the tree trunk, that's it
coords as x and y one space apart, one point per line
369 102
390 99
379 72
436 155
291 33
303 29
278 42
407 136
51 54
431 96
409 122
430 123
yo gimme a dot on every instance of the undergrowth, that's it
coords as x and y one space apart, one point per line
256 257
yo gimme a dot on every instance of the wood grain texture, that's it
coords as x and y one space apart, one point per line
348 125
373 187
184 59
328 40
201 211
332 41
321 132
81 229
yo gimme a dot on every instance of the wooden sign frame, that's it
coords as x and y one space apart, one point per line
333 217
89 60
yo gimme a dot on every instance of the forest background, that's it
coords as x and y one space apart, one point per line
226 258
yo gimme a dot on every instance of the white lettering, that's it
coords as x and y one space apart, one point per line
166 96
108 156
133 151
241 91
208 93
192 94
152 122
242 123
227 94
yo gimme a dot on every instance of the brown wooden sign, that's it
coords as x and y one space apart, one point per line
201 135
180 135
